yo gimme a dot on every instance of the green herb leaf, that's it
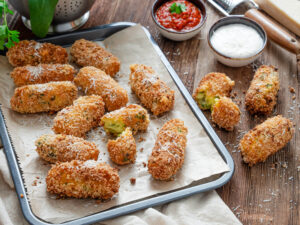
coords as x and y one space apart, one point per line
177 8
182 7
8 37
41 15
173 8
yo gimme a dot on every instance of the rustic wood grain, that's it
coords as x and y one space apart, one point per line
267 193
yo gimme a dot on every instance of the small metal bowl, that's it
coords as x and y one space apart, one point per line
69 14
230 61
179 35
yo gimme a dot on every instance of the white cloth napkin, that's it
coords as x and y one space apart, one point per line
202 209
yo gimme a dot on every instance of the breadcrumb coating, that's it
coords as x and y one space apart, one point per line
266 139
42 73
78 179
64 148
261 96
122 151
88 53
153 93
168 153
212 87
97 82
133 116
33 53
225 113
52 96
79 118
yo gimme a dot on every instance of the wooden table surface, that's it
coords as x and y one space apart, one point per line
267 193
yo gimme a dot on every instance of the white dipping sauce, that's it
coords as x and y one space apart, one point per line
237 40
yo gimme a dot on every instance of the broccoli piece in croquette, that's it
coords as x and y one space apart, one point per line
211 88
133 116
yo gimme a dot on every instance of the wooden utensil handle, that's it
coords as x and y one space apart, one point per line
275 32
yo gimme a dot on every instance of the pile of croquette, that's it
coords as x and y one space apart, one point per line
46 83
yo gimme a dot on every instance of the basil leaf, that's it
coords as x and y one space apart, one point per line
173 8
177 8
41 15
182 7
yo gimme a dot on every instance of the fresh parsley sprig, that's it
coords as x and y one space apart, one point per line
8 37
177 8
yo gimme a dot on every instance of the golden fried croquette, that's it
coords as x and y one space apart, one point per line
153 93
83 179
266 139
122 151
64 148
212 87
79 118
34 53
261 96
35 98
88 53
168 153
42 73
97 82
133 116
225 113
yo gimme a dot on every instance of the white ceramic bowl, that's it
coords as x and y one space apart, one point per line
179 35
230 61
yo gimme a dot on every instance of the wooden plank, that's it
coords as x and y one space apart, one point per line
267 193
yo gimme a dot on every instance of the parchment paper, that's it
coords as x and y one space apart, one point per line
202 159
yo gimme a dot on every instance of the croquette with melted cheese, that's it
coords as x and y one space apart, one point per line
153 93
43 73
169 150
133 116
33 53
83 179
48 97
88 53
212 87
64 148
79 118
266 139
95 81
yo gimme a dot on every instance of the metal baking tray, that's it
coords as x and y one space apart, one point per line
100 33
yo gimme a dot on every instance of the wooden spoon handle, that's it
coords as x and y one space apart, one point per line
275 32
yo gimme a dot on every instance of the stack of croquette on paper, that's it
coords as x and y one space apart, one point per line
45 85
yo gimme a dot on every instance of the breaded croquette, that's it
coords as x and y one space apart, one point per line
97 82
64 148
266 139
79 118
133 116
48 97
88 53
225 113
212 87
153 93
122 151
261 96
78 179
34 53
168 153
42 73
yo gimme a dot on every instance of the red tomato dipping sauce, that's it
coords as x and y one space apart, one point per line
178 15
